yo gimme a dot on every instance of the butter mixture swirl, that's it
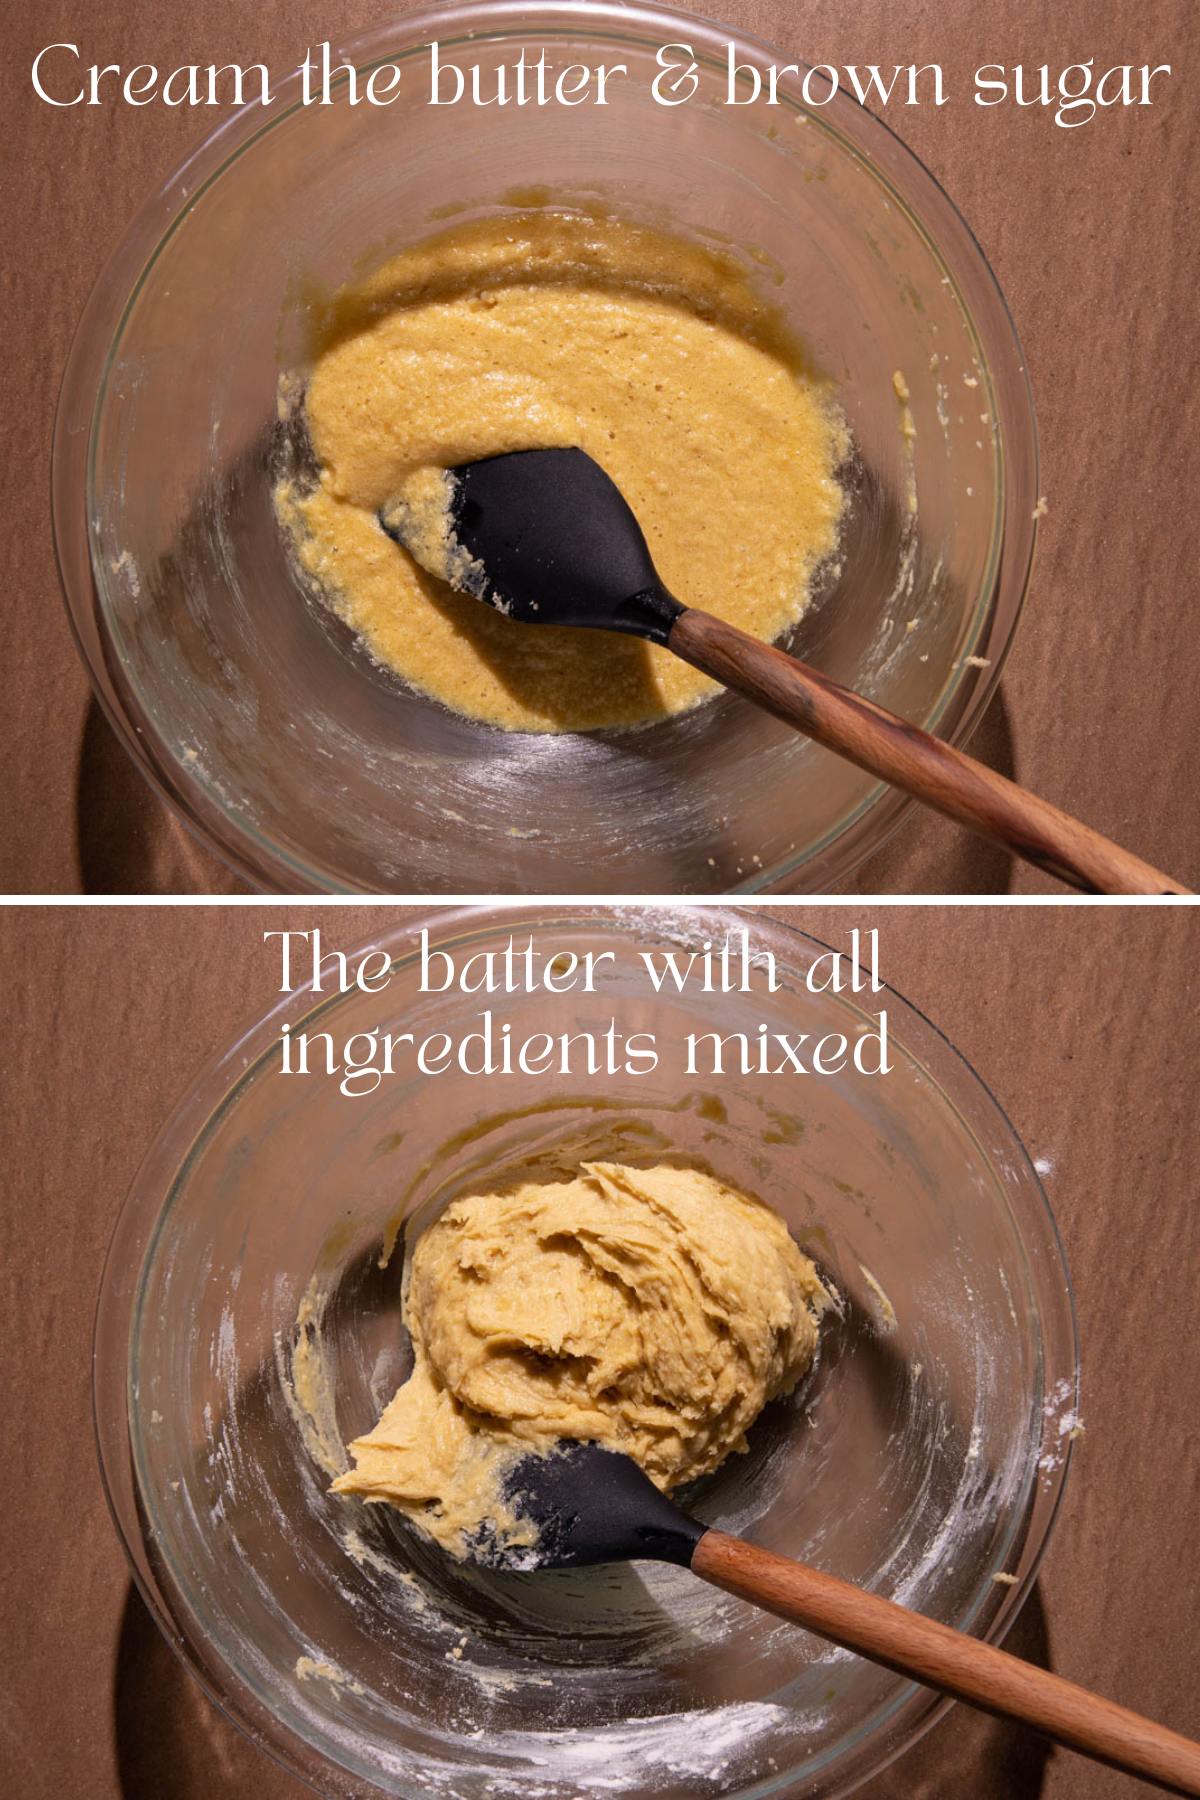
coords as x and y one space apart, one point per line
540 330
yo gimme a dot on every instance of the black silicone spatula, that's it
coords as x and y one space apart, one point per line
591 1505
558 545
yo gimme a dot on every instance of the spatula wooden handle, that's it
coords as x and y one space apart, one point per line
950 1660
912 759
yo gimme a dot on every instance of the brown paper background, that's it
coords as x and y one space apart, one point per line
1083 1022
1092 233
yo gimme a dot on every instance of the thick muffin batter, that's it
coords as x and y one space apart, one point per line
540 330
654 1311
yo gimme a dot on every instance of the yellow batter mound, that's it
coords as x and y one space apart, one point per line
655 1311
540 330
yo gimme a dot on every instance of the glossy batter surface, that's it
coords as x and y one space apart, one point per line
654 1311
541 330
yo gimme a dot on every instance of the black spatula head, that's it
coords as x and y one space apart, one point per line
590 1505
557 543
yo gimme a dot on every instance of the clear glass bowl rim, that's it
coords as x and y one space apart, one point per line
905 1719
998 607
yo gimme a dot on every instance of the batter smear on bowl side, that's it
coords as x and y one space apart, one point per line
653 1311
544 330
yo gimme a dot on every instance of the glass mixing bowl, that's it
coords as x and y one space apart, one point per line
248 705
247 1331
